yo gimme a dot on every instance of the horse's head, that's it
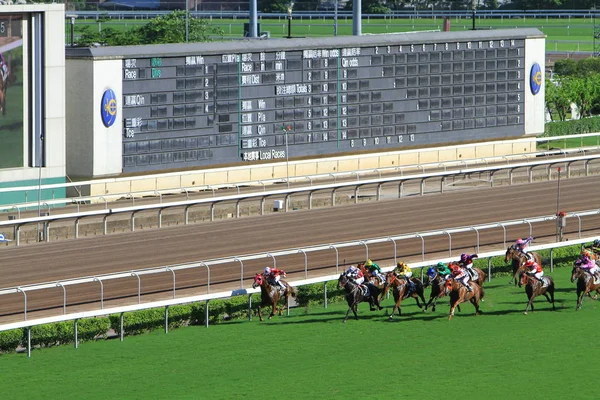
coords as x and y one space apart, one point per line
390 277
343 279
510 253
576 272
362 267
448 285
259 279
524 279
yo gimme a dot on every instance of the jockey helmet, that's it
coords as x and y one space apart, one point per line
596 243
401 264
440 265
520 241
529 263
267 270
464 257
369 263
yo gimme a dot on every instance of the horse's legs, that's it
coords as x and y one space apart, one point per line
432 299
452 307
529 304
347 314
350 305
580 294
397 301
552 297
420 295
259 313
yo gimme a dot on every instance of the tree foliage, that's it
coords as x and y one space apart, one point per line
558 98
170 28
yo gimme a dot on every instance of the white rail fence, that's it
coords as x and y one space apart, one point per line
305 251
47 204
290 191
243 291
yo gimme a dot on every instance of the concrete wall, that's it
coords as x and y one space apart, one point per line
224 176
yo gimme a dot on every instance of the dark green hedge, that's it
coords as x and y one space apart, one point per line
562 128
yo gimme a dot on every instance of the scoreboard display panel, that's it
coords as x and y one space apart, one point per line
210 104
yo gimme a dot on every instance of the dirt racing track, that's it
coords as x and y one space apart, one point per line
48 262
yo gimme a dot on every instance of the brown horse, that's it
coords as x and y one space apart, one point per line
400 291
585 284
271 294
355 295
373 279
534 288
518 259
459 294
480 276
438 291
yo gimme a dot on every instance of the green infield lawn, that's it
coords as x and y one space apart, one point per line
564 34
501 354
569 143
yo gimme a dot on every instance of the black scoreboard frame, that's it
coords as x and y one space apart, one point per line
211 104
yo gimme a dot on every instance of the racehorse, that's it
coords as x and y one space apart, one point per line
437 287
400 291
271 294
356 295
459 294
518 259
585 284
534 288
480 275
373 279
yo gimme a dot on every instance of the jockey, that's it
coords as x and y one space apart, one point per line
585 252
374 270
273 275
589 266
592 250
466 261
535 270
460 275
443 269
355 274
403 271
523 246
3 67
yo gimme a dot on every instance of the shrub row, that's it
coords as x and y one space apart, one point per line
138 322
573 127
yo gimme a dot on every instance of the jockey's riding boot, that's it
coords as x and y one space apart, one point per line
468 288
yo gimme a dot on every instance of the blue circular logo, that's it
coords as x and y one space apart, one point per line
108 108
535 78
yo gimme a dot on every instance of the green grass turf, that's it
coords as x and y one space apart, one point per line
563 34
567 143
501 354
